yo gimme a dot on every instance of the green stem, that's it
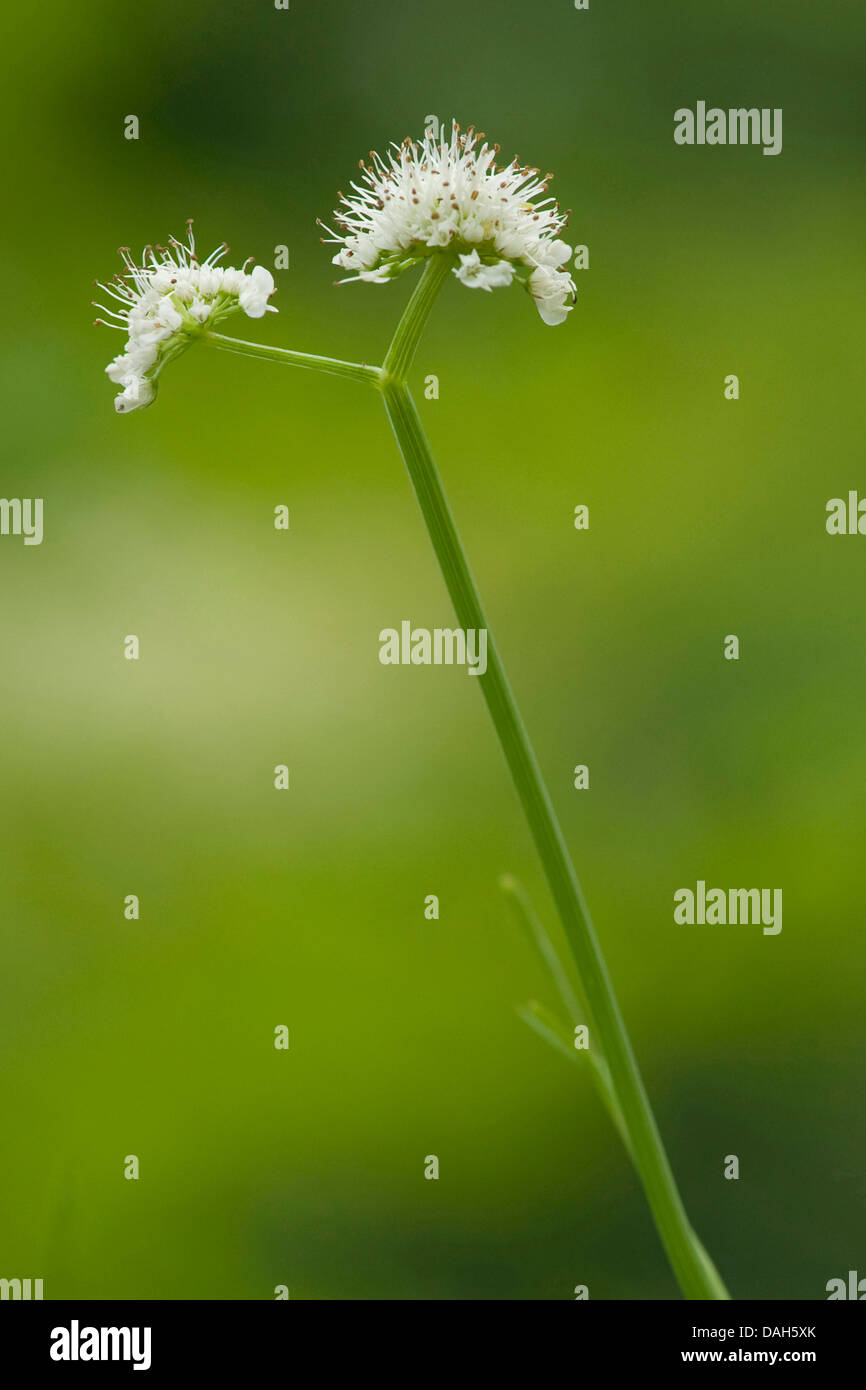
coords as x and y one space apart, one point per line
398 358
355 371
693 1267
695 1271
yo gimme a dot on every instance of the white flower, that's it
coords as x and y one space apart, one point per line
256 291
552 291
137 391
478 276
447 195
165 303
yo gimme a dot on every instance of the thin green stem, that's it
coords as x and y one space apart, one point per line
626 1097
695 1271
401 353
355 371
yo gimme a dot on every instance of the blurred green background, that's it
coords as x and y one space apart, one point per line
259 647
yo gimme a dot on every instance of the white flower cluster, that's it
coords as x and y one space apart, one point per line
164 304
448 195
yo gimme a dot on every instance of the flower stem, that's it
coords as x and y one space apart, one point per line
624 1095
355 371
694 1269
398 358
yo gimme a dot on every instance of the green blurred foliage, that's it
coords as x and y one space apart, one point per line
707 517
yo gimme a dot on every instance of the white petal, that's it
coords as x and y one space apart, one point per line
552 254
255 293
474 273
551 290
137 392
